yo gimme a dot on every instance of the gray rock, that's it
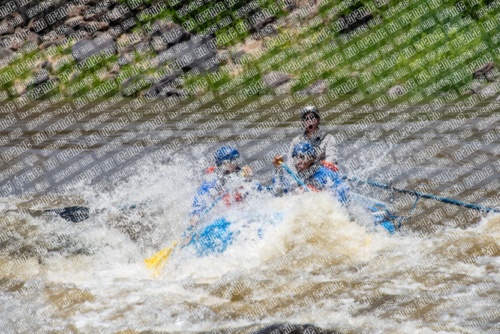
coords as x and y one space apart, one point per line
276 79
319 87
35 38
158 45
293 329
257 27
170 33
134 84
486 72
236 57
85 48
395 91
196 53
353 22
160 84
78 10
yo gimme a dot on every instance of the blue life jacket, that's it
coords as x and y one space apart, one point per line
317 178
214 188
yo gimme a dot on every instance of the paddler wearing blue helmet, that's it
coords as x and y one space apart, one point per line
324 143
226 181
313 174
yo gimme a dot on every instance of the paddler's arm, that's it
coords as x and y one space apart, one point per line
279 185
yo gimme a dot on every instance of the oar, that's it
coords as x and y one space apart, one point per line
295 176
74 214
157 261
423 195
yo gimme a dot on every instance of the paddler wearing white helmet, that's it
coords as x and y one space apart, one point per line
323 143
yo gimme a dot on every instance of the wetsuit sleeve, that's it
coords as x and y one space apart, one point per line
281 184
202 198
289 159
330 149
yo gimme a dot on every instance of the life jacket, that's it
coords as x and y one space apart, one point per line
313 188
228 199
330 165
231 198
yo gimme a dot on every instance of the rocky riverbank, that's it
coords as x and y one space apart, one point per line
86 49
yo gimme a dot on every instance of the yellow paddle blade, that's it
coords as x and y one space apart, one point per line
158 260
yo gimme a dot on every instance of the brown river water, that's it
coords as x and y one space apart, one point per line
137 171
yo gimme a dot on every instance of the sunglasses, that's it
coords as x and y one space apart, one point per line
310 118
302 156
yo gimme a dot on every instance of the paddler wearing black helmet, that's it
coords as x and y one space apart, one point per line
324 143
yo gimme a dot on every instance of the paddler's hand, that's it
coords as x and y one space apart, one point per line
246 171
194 221
277 161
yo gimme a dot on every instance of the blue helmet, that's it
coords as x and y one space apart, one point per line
304 148
226 153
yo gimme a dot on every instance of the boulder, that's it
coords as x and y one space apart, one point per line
74 21
56 40
196 53
351 24
134 84
35 38
293 329
160 84
170 33
78 11
257 27
236 57
158 45
276 79
85 48
94 26
319 87
486 72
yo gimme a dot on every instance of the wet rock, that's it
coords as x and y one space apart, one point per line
276 79
294 329
319 87
486 72
85 48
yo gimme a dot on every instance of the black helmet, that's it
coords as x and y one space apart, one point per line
309 109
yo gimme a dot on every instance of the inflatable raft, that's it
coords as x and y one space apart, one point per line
219 234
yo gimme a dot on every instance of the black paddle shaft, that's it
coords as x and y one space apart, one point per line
74 214
423 195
